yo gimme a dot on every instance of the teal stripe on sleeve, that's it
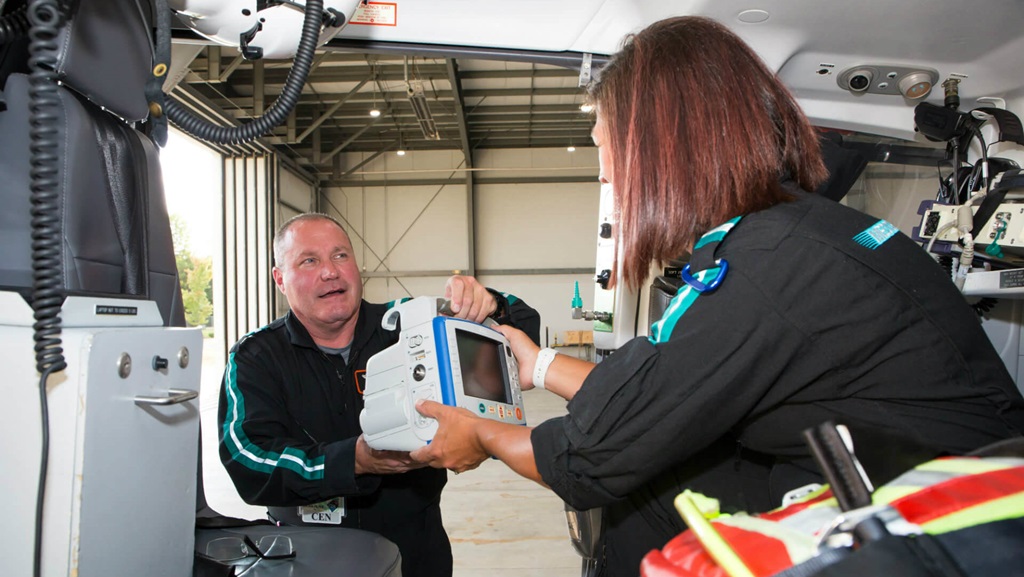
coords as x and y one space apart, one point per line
717 234
397 302
661 330
245 452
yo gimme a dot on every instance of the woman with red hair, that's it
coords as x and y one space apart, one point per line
794 310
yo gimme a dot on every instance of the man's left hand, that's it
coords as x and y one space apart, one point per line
378 462
470 300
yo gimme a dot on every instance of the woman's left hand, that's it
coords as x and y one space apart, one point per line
456 445
525 352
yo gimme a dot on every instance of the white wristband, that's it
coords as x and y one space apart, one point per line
540 368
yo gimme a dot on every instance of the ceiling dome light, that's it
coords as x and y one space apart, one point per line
752 16
916 85
400 152
587 107
374 112
571 148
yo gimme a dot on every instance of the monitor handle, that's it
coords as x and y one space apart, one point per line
415 312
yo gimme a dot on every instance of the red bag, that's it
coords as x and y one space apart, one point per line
942 496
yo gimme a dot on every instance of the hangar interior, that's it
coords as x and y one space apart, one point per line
475 158
481 164
467 168
487 186
476 165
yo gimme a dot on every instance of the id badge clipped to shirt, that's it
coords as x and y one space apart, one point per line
329 512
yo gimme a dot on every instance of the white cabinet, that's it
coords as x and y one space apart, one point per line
120 490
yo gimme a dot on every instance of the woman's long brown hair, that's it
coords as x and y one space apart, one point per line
700 131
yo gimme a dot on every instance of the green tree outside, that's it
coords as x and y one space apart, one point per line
195 275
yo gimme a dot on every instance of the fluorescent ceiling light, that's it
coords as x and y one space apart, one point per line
418 100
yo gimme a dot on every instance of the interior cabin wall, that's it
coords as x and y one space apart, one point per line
1005 324
895 193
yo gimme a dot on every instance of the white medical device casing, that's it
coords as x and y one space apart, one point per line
439 358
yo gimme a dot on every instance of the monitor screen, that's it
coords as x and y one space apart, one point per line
484 372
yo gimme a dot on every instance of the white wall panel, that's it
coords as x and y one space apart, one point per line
522 162
531 226
424 227
296 192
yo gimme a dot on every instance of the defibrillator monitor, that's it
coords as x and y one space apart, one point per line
482 365
444 359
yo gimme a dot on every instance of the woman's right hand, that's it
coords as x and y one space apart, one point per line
525 352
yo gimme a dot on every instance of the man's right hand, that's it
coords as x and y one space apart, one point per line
375 462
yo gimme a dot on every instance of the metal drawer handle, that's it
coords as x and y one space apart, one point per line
174 396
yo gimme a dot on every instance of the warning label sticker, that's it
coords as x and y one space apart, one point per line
376 14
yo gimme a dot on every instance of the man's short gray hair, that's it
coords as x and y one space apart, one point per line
284 228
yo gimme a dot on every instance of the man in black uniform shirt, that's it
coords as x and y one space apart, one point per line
291 397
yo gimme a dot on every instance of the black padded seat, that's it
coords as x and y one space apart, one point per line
338 552
319 551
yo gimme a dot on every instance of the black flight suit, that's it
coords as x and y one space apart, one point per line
824 313
289 419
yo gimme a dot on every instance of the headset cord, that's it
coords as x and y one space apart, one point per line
47 292
13 25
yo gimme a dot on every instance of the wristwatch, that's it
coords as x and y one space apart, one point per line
501 314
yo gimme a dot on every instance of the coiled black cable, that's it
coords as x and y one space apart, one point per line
47 284
13 25
984 306
946 262
282 107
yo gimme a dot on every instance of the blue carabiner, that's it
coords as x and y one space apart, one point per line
723 267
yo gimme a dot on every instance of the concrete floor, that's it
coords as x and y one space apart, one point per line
499 524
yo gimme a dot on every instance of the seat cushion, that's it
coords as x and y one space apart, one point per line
319 551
